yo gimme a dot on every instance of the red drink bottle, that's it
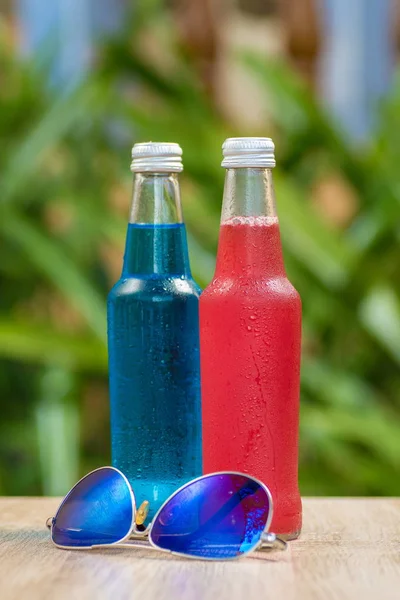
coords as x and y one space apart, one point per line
250 334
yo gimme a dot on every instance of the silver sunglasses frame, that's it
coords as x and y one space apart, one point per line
142 539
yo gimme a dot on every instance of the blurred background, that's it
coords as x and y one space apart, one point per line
80 82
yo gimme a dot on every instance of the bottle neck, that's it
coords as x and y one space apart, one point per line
249 243
156 240
156 199
248 193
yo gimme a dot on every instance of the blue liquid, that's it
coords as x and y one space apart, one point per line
153 339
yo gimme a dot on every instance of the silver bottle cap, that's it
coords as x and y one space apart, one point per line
248 152
159 157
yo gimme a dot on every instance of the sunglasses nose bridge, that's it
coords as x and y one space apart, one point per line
140 534
270 541
49 522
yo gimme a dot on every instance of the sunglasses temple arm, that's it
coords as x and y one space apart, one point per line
270 541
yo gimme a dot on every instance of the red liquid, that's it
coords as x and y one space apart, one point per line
250 330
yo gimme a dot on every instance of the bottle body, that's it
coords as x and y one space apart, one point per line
250 318
154 368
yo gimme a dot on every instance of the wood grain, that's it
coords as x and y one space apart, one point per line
349 549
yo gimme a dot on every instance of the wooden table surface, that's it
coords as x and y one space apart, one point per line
350 548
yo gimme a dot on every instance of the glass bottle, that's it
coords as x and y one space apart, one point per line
153 337
250 318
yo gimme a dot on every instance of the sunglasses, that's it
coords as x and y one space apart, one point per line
218 516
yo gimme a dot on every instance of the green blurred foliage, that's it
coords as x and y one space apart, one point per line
64 196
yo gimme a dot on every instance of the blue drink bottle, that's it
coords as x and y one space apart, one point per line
153 337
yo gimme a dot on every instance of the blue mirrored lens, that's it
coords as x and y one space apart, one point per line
220 516
98 510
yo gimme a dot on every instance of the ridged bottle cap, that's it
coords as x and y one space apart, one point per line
159 157
248 152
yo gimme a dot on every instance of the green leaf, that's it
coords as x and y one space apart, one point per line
380 313
375 430
57 424
51 127
320 249
39 345
47 256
